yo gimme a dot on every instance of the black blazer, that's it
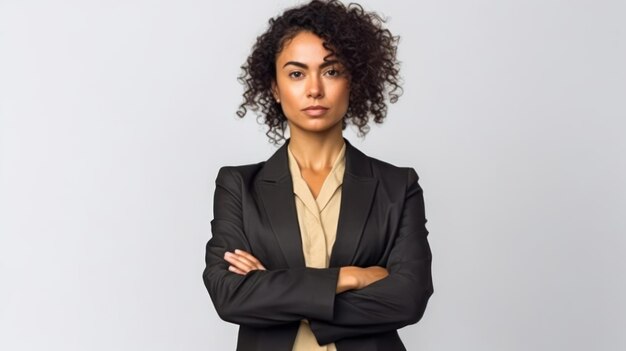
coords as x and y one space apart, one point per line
381 222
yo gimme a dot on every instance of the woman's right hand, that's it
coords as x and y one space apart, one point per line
353 277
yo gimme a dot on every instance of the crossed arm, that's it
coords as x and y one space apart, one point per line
350 277
339 302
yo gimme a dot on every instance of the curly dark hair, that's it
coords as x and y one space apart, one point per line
354 36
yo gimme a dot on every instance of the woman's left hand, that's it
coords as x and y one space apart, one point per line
242 262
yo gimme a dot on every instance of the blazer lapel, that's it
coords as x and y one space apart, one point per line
275 190
357 195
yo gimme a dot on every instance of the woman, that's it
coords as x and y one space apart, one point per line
320 247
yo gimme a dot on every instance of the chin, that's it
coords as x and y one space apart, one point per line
318 126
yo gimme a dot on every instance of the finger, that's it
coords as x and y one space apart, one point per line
246 261
236 261
236 270
233 260
250 257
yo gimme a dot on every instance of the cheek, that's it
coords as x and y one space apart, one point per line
290 100
290 93
344 96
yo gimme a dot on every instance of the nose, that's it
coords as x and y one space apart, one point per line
316 88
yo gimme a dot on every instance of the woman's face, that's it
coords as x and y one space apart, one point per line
304 79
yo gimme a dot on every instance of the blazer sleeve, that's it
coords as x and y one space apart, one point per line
400 298
261 298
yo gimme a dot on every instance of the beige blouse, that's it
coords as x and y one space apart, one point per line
318 226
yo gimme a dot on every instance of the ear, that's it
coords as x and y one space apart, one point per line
275 90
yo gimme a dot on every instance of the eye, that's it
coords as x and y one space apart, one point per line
295 74
333 72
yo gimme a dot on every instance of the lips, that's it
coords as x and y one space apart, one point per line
316 107
315 111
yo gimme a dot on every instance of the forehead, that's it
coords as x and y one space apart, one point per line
305 47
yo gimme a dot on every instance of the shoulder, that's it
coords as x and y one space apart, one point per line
235 176
393 174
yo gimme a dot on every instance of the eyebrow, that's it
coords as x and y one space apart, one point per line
302 65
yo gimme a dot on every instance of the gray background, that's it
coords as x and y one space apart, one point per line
116 115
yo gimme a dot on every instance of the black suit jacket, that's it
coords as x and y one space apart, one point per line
381 222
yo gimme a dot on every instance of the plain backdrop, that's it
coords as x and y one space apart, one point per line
116 115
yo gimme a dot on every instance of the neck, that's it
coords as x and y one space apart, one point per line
316 151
